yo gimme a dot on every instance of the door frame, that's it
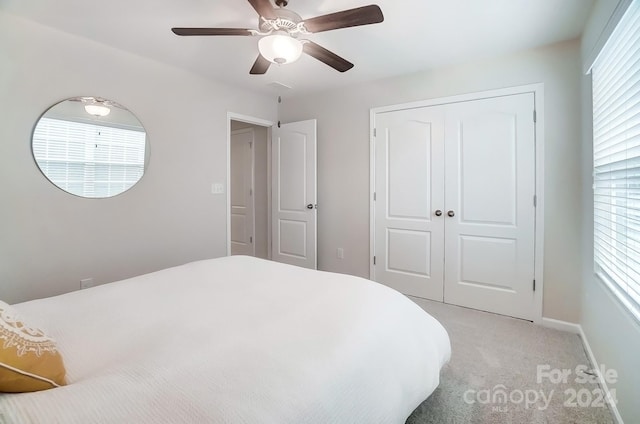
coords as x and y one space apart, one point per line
231 116
538 94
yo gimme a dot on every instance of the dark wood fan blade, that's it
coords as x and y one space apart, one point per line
260 66
326 56
211 31
264 8
347 18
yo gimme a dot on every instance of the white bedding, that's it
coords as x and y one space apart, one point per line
235 340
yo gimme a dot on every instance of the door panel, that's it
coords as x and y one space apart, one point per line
488 261
487 159
292 174
242 207
409 188
407 250
294 187
408 155
489 185
293 238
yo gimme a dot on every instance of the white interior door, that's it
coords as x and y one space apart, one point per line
454 214
242 203
294 194
409 190
490 188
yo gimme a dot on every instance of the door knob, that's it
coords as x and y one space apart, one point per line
451 214
438 212
310 206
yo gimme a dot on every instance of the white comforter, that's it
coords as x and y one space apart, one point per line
235 340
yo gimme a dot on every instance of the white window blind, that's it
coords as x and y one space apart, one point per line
616 159
87 159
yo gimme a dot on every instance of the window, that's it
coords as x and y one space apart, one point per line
616 160
89 160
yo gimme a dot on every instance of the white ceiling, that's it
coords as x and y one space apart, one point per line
415 35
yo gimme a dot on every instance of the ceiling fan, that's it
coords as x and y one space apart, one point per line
280 29
97 106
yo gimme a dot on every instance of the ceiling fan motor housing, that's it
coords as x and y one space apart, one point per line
286 20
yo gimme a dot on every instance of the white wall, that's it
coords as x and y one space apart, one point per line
343 157
612 332
49 239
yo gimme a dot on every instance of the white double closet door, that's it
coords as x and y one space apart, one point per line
454 214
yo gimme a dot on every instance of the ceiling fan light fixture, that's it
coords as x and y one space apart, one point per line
97 109
280 48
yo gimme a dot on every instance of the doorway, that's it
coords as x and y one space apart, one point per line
272 196
249 187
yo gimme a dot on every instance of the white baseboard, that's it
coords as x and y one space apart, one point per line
601 381
562 325
577 329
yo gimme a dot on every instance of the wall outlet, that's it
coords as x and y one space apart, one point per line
86 283
340 253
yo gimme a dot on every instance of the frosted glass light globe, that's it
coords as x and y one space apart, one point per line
97 110
280 48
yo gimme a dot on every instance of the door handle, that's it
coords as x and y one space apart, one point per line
438 212
451 214
310 206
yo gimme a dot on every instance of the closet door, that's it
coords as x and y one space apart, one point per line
490 187
409 199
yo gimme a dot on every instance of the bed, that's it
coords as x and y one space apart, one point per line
235 340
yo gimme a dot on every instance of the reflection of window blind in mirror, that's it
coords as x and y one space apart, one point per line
89 160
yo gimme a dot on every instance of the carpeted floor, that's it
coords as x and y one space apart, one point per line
494 375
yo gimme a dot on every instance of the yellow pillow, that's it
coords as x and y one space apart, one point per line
29 360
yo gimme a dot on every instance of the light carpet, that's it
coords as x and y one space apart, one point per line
506 370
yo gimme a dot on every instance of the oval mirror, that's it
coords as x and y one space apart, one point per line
90 147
